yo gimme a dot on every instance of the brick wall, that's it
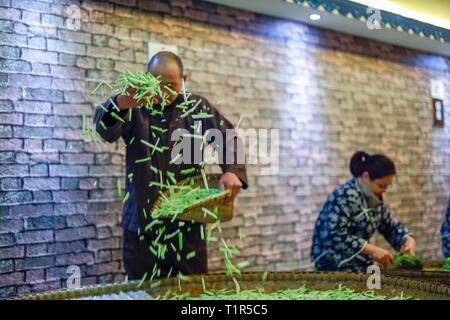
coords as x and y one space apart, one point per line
329 93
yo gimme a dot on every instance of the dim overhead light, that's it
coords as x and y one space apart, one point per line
314 16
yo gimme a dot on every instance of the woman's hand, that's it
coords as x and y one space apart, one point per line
409 246
230 181
378 254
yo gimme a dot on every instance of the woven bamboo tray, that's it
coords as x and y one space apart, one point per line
432 272
390 286
194 212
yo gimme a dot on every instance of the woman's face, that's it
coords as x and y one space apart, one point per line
378 186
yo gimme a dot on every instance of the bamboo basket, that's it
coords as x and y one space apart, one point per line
390 286
432 272
194 212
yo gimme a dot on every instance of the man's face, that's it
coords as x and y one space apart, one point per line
170 77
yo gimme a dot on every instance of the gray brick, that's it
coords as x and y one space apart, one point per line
75 36
11 145
75 234
32 132
35 120
15 197
10 39
32 5
12 252
31 210
54 145
33 107
6 106
9 184
52 20
10 93
8 65
34 236
37 43
37 250
41 183
6 266
66 47
42 223
68 170
73 97
67 59
6 157
69 183
77 158
9 52
70 196
39 170
67 247
78 220
31 17
33 145
44 94
68 109
12 170
41 56
13 118
34 263
6 240
5 131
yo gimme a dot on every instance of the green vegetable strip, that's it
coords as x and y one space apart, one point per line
171 92
125 199
202 232
171 235
142 280
119 187
190 255
151 224
116 116
239 122
102 124
184 115
154 169
158 129
180 241
187 171
202 116
145 213
148 144
205 181
132 140
143 160
114 105
178 156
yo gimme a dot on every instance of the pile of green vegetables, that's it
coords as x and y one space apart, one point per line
302 293
404 261
446 266
177 202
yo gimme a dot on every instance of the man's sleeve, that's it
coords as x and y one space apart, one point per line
232 145
110 122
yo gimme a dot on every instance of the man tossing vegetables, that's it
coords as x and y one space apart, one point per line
147 119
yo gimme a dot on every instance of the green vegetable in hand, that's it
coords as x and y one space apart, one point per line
406 261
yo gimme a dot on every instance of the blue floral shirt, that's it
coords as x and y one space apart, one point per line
445 233
346 224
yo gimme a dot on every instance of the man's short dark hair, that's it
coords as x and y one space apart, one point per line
163 58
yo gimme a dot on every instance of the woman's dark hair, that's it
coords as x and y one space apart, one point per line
377 165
